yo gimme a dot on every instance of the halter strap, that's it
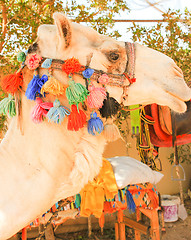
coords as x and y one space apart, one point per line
119 80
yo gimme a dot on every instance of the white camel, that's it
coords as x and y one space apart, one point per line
48 163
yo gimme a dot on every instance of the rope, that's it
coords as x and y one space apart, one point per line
144 143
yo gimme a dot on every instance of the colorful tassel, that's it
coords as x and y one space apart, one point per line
40 110
88 72
53 86
71 66
7 106
77 119
12 82
32 61
35 86
21 56
57 113
110 107
76 93
95 124
78 200
130 202
96 96
111 131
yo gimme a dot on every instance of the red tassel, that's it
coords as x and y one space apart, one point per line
12 82
24 233
76 119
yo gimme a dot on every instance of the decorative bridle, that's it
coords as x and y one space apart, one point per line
95 97
119 80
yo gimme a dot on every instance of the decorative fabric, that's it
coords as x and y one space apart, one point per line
94 193
102 196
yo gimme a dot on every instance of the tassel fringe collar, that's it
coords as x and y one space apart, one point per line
95 98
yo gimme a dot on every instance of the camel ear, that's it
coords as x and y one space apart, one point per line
64 29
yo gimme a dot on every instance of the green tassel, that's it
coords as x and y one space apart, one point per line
21 56
76 93
7 106
135 120
78 200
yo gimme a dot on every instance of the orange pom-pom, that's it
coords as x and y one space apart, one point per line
71 66
12 82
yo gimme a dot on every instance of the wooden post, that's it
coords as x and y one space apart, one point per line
89 226
153 215
49 233
121 226
122 231
180 185
137 232
116 231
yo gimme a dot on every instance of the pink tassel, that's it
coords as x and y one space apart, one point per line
40 110
96 96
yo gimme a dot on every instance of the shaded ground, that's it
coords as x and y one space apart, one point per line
179 230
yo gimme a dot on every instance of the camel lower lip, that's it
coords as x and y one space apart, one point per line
175 96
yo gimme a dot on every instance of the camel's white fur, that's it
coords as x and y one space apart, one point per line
48 162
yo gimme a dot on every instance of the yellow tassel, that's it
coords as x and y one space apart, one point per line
53 86
111 131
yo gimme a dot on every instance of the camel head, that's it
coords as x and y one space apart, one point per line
158 79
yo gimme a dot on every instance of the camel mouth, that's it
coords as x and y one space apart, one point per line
179 101
176 103
172 94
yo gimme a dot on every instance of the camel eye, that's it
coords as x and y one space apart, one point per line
113 56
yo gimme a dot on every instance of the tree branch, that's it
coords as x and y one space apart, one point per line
154 6
4 24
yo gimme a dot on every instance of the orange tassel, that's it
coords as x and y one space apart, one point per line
24 233
53 86
76 119
12 82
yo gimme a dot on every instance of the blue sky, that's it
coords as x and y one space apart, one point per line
141 10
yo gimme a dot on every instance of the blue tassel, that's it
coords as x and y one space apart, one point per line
130 202
95 124
119 196
57 113
78 200
35 86
57 205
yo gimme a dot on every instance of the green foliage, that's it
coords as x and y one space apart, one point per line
171 37
184 154
3 118
20 19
